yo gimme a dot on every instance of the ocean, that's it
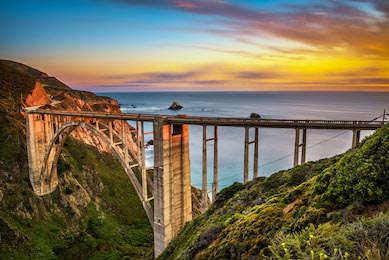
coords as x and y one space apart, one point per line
276 146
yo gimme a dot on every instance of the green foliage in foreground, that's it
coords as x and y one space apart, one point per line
366 238
362 175
334 208
94 214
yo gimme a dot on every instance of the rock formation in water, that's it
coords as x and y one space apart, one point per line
175 106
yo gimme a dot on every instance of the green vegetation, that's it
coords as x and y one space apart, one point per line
334 208
95 212
363 239
362 175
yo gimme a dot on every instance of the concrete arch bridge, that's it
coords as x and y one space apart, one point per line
170 188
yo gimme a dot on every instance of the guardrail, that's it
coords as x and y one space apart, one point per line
223 121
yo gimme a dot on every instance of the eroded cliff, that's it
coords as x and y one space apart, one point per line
94 213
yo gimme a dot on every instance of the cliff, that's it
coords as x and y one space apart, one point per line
56 95
336 208
94 213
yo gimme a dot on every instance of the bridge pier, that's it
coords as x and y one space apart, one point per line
356 138
43 177
297 146
204 181
247 143
246 155
215 180
256 152
172 187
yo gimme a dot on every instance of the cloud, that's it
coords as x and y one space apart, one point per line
347 82
193 77
368 71
208 82
167 77
329 24
154 77
255 75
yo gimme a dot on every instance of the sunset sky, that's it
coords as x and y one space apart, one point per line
173 45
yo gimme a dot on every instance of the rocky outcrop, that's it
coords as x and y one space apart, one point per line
37 97
175 106
9 233
197 202
73 100
79 218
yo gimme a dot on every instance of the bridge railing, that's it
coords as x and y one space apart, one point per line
223 121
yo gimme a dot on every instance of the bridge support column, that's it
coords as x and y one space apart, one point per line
297 146
356 138
43 176
304 147
172 187
246 156
204 181
256 148
215 182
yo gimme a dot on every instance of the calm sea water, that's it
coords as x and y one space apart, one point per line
276 145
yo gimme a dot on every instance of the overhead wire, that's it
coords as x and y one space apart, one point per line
286 156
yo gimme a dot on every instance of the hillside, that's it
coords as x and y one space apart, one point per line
94 213
335 208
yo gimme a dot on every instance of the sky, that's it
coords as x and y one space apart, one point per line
202 45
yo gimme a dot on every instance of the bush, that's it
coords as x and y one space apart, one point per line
362 175
363 239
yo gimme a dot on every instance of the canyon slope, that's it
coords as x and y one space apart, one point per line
95 213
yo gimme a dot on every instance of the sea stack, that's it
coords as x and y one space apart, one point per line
176 106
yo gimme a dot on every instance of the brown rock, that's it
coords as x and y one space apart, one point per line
176 106
38 96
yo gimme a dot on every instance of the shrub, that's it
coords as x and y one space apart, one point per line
362 175
363 239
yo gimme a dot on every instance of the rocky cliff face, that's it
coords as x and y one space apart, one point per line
72 100
37 97
94 213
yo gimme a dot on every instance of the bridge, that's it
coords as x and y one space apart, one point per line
165 194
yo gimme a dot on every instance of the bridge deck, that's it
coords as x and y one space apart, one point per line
220 121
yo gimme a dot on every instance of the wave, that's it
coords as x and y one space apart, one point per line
145 109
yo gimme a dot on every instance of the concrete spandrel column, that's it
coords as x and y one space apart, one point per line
172 187
43 176
356 138
296 147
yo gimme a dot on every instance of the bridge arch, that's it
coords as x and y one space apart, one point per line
49 164
47 131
